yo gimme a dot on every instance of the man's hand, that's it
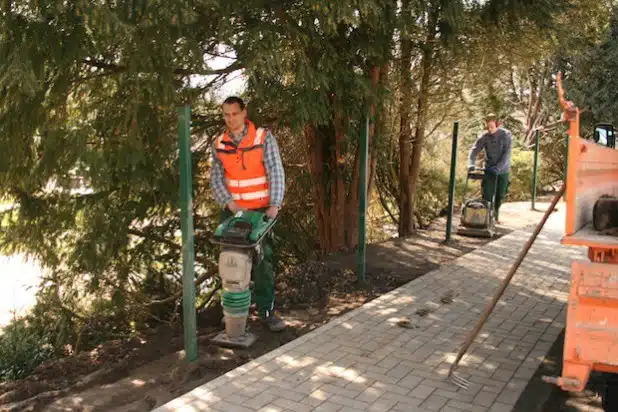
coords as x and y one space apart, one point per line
491 170
233 206
272 212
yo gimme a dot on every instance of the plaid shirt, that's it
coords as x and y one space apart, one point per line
272 163
497 150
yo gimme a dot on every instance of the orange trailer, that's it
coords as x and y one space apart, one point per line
591 336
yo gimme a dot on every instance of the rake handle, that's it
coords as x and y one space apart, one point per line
507 279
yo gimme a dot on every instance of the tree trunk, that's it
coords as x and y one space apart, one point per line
315 156
336 204
427 59
352 214
535 117
337 184
406 217
378 129
351 217
336 212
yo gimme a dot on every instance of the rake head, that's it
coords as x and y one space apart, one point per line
458 380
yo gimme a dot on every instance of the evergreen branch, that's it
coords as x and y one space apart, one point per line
211 83
182 72
198 281
229 69
160 239
71 312
178 295
209 297
81 80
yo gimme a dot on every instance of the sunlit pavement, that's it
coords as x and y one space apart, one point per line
363 361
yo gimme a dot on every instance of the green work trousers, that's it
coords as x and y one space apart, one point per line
263 275
499 187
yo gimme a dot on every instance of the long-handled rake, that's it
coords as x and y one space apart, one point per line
453 377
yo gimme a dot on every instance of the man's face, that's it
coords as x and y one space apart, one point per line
491 126
234 117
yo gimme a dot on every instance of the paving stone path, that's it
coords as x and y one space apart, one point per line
364 361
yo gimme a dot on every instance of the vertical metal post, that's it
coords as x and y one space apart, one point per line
362 203
536 166
451 186
186 224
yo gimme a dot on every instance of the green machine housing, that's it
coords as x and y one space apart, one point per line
244 230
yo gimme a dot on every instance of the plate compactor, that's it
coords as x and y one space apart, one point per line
240 237
477 214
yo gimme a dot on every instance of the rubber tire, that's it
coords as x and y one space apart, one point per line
610 395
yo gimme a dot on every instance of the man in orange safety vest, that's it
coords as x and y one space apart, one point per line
248 174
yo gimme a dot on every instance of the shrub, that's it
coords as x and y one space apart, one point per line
22 349
522 163
432 194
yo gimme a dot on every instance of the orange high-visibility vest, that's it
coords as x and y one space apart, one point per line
245 174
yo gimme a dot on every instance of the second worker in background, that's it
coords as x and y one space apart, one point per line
497 143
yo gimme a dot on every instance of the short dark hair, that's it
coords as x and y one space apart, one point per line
235 100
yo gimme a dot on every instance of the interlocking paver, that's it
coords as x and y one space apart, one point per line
422 391
408 400
260 400
237 399
503 374
291 396
466 396
512 391
328 407
485 398
434 403
382 405
363 361
291 405
349 402
224 406
271 408
468 407
398 371
370 394
500 407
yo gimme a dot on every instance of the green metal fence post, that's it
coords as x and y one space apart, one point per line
362 203
535 168
451 186
186 224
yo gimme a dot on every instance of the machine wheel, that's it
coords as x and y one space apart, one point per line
610 394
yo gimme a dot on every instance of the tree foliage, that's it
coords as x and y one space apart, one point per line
593 81
89 136
90 94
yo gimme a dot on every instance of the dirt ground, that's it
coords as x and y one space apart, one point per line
148 371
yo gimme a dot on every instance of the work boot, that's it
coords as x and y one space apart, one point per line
274 322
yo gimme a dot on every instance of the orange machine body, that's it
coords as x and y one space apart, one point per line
591 337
